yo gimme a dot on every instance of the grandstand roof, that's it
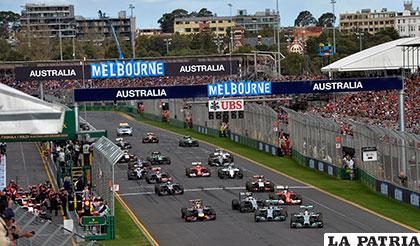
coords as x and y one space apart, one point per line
21 113
386 56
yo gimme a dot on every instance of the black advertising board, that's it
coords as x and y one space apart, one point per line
49 73
128 69
212 68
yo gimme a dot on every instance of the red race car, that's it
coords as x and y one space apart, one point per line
197 170
284 196
259 183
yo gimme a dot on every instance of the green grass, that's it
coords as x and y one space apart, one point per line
126 231
350 190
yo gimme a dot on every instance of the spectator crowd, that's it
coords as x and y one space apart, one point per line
379 108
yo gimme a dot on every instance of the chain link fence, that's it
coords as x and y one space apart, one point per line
46 232
323 139
105 155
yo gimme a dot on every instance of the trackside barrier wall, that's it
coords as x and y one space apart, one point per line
314 144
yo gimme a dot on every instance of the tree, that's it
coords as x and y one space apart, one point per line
204 13
167 20
9 21
305 18
326 20
293 64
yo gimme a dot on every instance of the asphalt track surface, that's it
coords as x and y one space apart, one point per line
24 165
162 216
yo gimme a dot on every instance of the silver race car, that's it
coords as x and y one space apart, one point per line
306 218
230 172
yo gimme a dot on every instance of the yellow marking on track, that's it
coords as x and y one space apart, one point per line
137 221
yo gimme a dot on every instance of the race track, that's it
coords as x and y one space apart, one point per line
162 216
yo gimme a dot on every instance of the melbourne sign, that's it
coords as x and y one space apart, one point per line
241 88
130 69
48 73
226 105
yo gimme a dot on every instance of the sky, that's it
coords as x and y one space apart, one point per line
147 12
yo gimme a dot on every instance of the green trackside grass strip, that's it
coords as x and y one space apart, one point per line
353 191
126 231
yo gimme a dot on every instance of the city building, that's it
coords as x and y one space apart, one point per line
407 23
217 24
98 29
257 22
367 21
149 32
41 20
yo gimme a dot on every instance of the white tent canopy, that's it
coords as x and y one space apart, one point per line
21 113
386 56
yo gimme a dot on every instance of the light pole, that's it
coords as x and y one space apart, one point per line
133 35
231 29
167 42
360 36
333 2
278 37
131 7
218 41
59 34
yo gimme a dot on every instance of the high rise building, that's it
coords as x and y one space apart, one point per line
407 22
41 20
367 21
217 24
255 23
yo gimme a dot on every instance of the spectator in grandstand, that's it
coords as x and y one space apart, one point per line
403 178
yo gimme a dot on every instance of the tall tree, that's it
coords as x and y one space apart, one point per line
204 12
167 20
9 21
305 18
326 20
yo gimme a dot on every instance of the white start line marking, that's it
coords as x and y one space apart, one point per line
204 189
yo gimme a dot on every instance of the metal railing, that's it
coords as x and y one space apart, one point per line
46 232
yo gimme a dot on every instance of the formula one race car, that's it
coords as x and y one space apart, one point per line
138 170
136 173
188 141
124 129
270 212
157 176
156 158
230 172
169 188
197 211
306 218
197 170
246 203
127 158
220 158
285 196
259 183
124 145
150 138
